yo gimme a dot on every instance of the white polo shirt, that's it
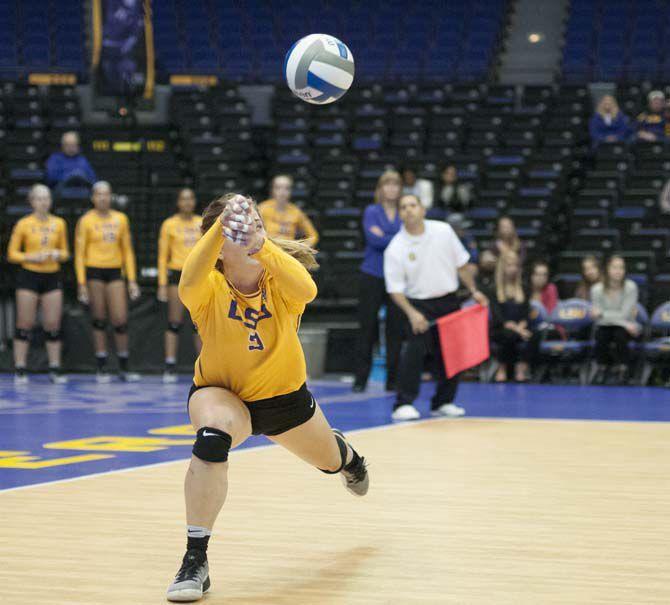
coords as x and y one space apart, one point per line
424 266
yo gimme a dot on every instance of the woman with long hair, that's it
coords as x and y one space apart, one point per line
507 239
541 289
608 124
381 221
39 244
455 196
246 293
614 307
510 313
591 275
103 247
178 234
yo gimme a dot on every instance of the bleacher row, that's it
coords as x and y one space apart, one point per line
41 35
617 40
146 166
391 39
526 154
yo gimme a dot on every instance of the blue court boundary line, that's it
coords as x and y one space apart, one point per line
235 452
260 446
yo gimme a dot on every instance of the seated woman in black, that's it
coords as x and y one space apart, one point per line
510 312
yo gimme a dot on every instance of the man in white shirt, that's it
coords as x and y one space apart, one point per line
422 267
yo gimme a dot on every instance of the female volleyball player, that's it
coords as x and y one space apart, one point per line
178 235
246 294
39 244
102 247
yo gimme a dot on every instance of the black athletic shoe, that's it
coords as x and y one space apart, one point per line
355 474
358 387
192 579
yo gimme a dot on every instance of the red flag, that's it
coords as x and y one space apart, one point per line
464 339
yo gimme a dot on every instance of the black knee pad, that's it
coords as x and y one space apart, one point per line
174 327
54 335
21 334
122 329
212 445
99 324
342 444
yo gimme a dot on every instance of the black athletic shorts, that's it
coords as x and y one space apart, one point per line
173 277
41 283
276 415
100 274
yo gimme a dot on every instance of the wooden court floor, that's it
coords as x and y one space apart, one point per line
471 511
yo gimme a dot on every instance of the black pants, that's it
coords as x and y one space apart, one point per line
612 345
372 295
414 350
511 347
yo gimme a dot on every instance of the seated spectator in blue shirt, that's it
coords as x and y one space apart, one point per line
608 124
651 123
69 164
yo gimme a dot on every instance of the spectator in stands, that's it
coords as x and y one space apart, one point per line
507 239
460 225
422 188
486 270
541 289
614 308
651 123
381 221
454 195
283 219
664 199
510 312
608 124
591 275
69 165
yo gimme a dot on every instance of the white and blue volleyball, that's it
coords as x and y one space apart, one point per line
319 68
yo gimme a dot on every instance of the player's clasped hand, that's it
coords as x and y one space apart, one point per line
242 225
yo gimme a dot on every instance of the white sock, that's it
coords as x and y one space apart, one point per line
195 531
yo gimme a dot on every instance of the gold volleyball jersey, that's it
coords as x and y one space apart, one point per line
176 240
250 343
287 223
103 242
31 235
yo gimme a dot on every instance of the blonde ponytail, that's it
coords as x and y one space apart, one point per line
298 249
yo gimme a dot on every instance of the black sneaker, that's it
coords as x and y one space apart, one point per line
355 474
192 579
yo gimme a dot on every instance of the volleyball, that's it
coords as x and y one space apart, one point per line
319 69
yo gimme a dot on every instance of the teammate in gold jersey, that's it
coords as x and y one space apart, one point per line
102 248
39 244
284 219
178 235
246 294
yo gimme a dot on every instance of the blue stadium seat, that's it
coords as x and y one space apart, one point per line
573 316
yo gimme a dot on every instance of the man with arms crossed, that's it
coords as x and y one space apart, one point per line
422 267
